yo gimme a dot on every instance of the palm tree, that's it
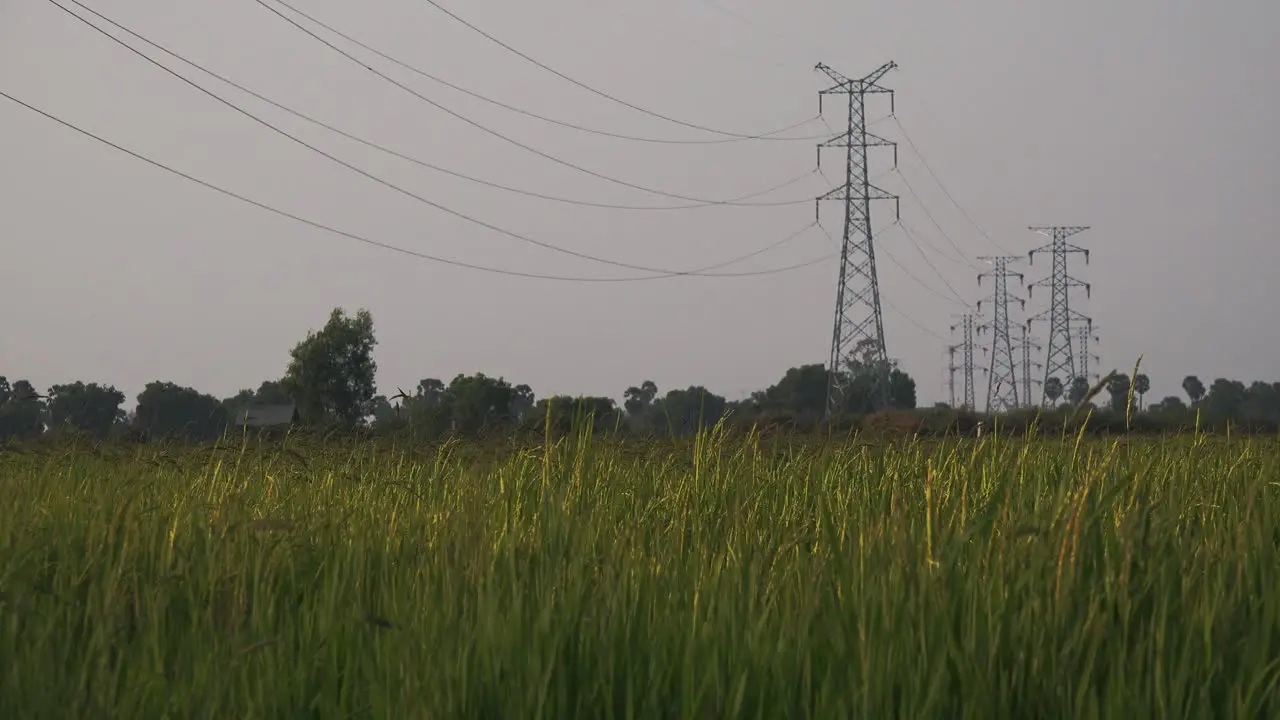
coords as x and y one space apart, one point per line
639 398
1141 386
1053 389
1194 389
1078 390
1118 389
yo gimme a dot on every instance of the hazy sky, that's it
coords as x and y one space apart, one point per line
1153 122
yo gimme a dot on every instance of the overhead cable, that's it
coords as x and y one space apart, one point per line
737 201
701 272
601 93
882 248
479 126
934 221
916 149
911 236
527 113
375 178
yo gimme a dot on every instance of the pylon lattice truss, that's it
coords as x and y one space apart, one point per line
1060 359
1087 332
967 325
858 332
1026 343
1002 377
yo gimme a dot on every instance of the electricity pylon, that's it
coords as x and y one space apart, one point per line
1002 377
966 344
1059 358
951 374
1087 332
1025 345
859 324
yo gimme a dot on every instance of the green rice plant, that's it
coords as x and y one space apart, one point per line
723 577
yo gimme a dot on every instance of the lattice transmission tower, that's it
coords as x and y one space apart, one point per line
1026 343
1002 376
858 332
966 344
951 374
1087 332
1060 359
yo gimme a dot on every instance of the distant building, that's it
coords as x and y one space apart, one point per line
265 417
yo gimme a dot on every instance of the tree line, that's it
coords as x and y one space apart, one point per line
330 380
1224 402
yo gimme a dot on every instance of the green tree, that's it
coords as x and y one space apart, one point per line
1118 389
1194 389
168 410
523 402
1261 406
21 410
424 410
568 413
92 408
801 391
1225 400
1169 404
270 392
1053 389
1078 391
385 413
331 374
478 403
862 377
902 390
636 400
1141 386
686 411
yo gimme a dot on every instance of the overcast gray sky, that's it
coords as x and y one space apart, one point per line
1153 122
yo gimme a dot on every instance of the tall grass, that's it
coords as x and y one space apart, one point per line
968 579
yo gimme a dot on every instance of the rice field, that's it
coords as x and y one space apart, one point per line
726 577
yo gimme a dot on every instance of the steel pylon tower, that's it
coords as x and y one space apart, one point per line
967 325
1025 345
951 374
858 332
1086 333
1059 358
1002 377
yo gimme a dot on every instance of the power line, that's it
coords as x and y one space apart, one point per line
375 178
913 321
916 149
479 126
961 258
527 113
417 161
932 267
920 239
920 201
601 93
907 271
671 32
413 253
916 236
